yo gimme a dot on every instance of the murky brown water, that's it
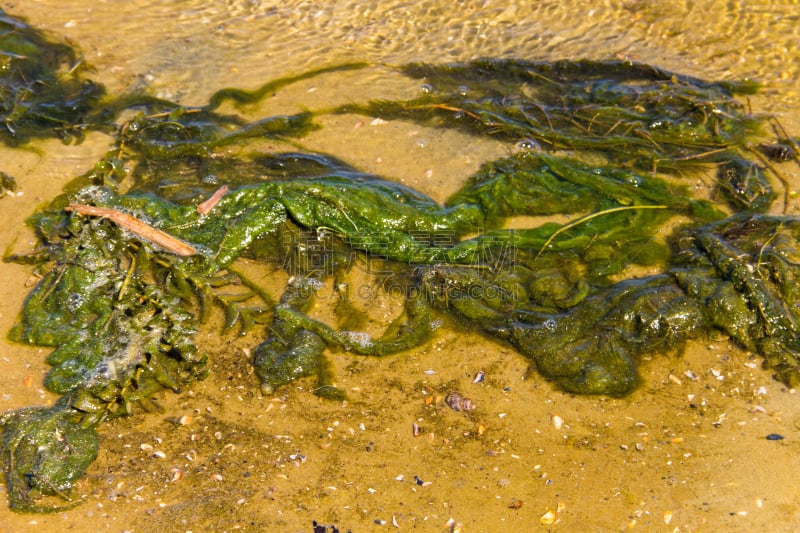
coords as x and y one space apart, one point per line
680 454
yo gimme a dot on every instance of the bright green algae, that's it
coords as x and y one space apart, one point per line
605 142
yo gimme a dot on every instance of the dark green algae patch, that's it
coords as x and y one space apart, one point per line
609 143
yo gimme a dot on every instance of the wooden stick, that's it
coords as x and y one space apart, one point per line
137 227
205 207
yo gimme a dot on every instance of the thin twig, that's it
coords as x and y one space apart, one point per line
137 227
446 107
764 247
591 216
777 173
205 207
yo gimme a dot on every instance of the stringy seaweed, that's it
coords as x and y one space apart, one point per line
129 278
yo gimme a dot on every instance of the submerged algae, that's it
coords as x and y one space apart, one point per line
121 312
42 90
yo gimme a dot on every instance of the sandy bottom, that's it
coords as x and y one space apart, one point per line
688 451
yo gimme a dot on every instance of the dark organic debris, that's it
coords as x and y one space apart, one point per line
42 90
325 528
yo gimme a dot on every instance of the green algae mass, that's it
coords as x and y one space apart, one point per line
610 144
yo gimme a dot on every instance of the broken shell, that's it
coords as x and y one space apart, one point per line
479 376
547 518
177 475
557 421
458 402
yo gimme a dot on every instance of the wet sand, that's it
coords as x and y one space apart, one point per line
686 452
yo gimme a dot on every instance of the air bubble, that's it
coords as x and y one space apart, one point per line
74 302
362 340
529 144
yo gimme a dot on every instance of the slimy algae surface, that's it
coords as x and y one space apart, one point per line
135 254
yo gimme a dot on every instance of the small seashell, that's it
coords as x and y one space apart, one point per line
32 280
547 518
416 430
479 376
557 421
458 402
421 483
177 475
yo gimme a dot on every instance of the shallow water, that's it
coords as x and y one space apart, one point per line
686 452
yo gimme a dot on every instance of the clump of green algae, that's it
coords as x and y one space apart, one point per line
607 142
